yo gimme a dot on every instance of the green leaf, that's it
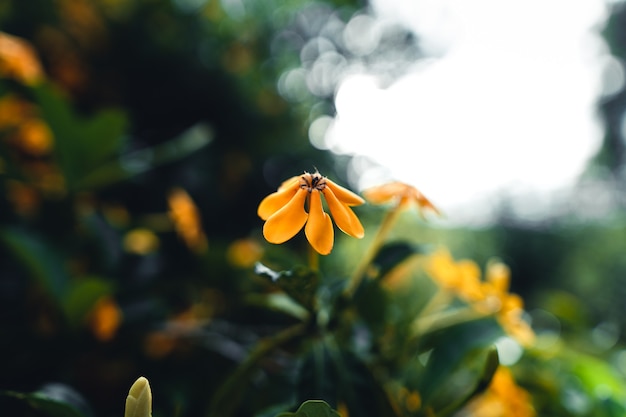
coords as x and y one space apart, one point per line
39 258
338 376
461 361
82 296
81 143
312 408
392 254
54 400
299 283
143 160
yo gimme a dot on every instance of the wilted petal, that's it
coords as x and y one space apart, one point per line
275 201
344 195
286 222
319 227
344 217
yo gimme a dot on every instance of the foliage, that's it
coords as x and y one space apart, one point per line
136 141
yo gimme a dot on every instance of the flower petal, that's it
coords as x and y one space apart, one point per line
344 217
275 201
286 222
319 227
344 195
289 183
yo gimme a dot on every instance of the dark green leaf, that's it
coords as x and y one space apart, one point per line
82 296
339 376
312 408
391 254
299 283
39 258
81 143
55 400
459 363
143 160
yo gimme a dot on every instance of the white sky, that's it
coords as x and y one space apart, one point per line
509 108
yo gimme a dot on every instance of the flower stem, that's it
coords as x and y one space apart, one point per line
379 239
314 259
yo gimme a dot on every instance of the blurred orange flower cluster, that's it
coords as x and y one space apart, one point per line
488 296
503 398
18 60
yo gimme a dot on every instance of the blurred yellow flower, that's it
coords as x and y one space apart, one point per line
399 193
488 296
34 137
461 278
18 60
105 318
140 241
503 398
244 253
298 202
186 218
14 110
509 307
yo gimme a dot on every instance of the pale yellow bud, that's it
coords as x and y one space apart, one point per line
139 400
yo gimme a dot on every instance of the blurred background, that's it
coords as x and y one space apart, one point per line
137 143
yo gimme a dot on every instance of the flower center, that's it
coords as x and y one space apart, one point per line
312 182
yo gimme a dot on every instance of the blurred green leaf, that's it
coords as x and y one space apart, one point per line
490 365
81 143
338 376
55 400
312 408
392 254
459 363
82 296
143 160
39 258
371 302
279 302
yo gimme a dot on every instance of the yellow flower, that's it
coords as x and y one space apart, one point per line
186 219
105 318
503 398
18 60
509 307
402 194
285 211
461 278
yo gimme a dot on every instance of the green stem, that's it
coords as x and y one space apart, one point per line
229 393
314 259
379 239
